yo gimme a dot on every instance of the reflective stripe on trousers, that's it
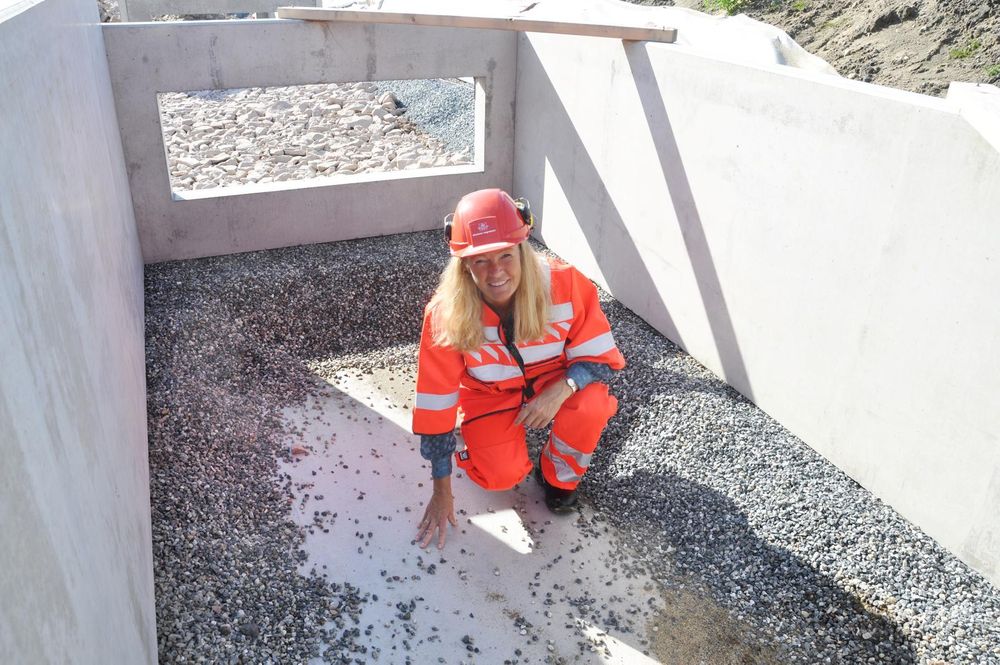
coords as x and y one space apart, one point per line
558 452
578 425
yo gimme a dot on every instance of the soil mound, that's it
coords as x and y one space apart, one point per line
916 45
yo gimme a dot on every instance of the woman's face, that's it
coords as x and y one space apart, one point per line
497 274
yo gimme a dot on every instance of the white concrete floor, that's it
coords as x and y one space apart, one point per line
512 576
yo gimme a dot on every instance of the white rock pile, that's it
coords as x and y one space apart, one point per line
260 135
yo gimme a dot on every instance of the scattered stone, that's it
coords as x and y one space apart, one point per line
712 491
251 630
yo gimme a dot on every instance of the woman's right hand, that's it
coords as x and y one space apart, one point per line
440 511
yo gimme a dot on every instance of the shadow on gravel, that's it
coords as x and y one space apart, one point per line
229 343
772 590
687 531
318 301
790 598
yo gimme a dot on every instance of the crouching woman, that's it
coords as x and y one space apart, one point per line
515 341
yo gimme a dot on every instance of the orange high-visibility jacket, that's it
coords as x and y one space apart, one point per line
577 331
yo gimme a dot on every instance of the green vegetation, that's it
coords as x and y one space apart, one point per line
729 6
963 52
835 23
993 70
736 6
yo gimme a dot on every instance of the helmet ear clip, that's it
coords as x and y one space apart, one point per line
524 209
447 226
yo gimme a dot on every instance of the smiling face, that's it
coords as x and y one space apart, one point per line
497 274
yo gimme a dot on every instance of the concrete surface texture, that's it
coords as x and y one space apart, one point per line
825 246
76 579
980 106
233 54
509 574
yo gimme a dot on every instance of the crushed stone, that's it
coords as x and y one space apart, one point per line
715 496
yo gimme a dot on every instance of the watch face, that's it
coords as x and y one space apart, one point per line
572 384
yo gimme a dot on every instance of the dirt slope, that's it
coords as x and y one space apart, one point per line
916 45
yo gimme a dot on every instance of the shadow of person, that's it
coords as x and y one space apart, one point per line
677 419
761 584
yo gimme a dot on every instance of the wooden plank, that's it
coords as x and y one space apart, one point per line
651 33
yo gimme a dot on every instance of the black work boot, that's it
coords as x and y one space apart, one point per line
557 499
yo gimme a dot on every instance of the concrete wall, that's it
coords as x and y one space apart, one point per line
161 57
76 577
146 10
830 248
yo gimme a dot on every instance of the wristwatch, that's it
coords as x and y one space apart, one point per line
572 384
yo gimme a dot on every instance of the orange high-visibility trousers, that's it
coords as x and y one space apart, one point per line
496 454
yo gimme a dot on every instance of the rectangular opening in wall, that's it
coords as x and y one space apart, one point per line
255 138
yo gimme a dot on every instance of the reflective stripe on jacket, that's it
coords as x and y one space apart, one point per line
577 330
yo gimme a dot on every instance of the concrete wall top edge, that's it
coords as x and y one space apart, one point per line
11 8
979 104
163 57
204 55
819 78
318 182
356 211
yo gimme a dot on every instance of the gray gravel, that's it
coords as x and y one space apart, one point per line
225 343
444 108
773 530
710 490
696 472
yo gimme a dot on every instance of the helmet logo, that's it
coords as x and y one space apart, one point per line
484 231
487 219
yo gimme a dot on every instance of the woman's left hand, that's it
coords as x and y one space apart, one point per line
540 411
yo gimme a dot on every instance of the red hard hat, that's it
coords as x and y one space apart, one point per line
486 221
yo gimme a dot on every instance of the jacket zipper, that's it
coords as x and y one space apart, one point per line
508 341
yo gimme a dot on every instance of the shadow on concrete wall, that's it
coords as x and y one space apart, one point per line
692 229
608 234
595 212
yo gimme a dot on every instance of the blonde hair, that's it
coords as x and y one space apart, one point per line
457 304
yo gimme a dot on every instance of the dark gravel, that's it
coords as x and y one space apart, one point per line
226 341
707 487
444 108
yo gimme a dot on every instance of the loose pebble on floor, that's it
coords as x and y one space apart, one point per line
717 504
